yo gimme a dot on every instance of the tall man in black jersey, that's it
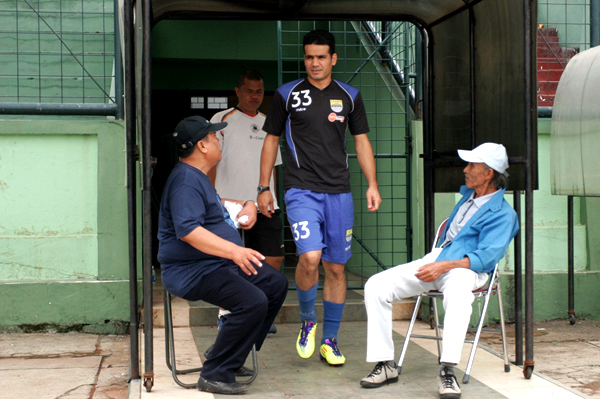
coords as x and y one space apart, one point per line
314 114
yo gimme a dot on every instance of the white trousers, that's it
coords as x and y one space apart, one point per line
400 282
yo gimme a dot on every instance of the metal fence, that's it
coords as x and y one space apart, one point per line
60 51
571 18
563 31
380 59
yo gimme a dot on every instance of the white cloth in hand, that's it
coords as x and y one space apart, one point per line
234 209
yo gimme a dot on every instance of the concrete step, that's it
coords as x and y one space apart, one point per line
546 93
545 100
551 64
200 313
556 51
550 34
549 75
203 314
547 87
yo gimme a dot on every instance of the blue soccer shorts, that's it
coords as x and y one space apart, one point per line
321 222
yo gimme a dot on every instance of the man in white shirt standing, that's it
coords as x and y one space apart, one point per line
235 176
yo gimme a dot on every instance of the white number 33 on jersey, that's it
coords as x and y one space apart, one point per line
304 231
301 98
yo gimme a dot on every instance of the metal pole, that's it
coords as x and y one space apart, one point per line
118 65
58 109
279 55
529 61
571 276
419 67
518 285
146 194
134 364
428 145
408 146
594 23
473 98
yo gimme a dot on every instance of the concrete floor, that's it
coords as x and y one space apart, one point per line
74 366
282 374
66 366
567 359
569 354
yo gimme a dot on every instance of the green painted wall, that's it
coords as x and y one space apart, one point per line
215 40
44 209
99 306
63 234
185 74
209 55
590 216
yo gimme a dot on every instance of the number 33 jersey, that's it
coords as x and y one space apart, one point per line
314 122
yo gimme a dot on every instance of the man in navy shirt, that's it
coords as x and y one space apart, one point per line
203 258
314 114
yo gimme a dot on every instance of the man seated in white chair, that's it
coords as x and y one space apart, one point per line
476 237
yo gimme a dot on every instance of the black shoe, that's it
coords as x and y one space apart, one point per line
272 329
225 388
244 372
207 352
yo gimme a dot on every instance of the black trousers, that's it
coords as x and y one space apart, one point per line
253 301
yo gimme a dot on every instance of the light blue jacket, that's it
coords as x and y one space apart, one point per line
485 237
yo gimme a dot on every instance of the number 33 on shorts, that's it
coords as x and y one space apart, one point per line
304 231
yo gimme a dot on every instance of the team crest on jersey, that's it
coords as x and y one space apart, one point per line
348 235
336 105
254 127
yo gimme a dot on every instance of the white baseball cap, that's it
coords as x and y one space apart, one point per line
491 154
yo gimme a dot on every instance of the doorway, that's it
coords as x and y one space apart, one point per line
379 58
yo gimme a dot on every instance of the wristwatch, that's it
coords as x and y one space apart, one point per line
262 189
254 202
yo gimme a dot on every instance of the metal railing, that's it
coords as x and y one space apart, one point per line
398 44
564 30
